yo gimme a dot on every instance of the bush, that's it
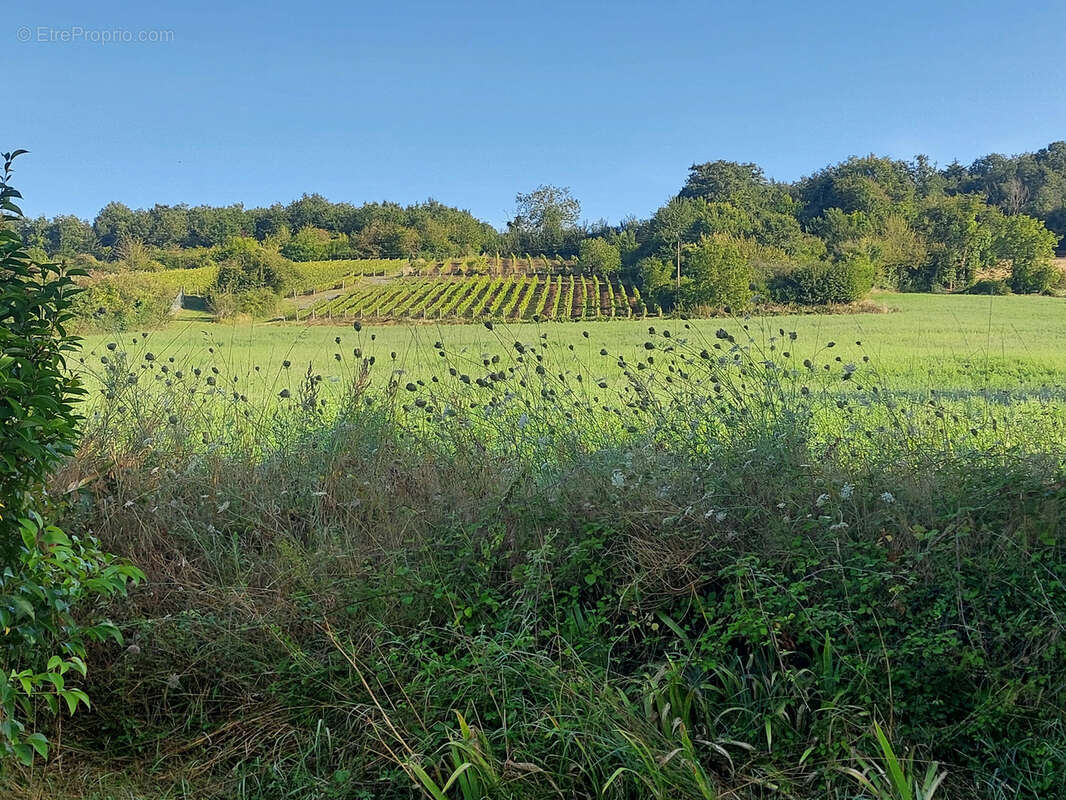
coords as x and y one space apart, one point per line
600 257
719 273
994 286
820 283
46 576
1028 247
122 302
244 264
1034 277
251 302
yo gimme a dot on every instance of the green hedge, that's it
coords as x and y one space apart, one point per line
824 282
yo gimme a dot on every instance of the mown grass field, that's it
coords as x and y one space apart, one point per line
1012 344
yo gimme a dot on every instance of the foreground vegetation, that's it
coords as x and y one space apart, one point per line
712 562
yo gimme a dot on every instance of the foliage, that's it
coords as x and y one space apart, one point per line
38 419
244 265
122 302
545 221
922 228
45 576
1028 248
818 283
959 241
258 303
316 244
718 273
600 257
990 286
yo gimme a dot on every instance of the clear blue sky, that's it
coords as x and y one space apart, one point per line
472 102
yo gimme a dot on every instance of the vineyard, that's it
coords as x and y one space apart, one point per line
515 297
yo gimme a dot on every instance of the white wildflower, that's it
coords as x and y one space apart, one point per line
846 491
618 480
888 497
719 517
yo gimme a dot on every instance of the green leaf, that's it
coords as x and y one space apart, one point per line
39 743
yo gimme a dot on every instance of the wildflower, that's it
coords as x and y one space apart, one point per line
888 497
822 500
846 491
618 480
719 517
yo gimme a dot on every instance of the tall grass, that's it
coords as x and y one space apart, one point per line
729 566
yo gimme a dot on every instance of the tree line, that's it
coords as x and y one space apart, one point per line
729 236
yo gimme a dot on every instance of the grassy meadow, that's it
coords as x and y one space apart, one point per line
921 341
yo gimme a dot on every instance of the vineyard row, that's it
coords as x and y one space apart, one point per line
555 297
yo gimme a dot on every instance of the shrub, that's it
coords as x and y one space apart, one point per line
1034 277
719 272
251 302
46 575
1028 247
822 282
989 286
122 302
244 264
600 257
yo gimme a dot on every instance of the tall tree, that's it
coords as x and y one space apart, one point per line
545 218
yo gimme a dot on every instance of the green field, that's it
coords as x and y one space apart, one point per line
1012 344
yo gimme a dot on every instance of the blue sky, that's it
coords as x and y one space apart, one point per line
472 102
